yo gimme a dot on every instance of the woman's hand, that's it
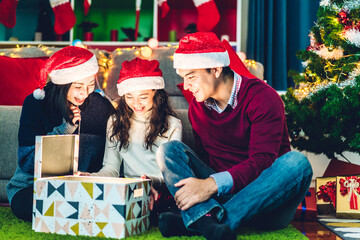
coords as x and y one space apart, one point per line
77 113
154 194
78 173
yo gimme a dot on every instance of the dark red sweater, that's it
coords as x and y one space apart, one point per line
244 140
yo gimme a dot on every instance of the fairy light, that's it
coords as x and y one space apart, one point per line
146 52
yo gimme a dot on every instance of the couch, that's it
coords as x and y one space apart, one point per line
18 76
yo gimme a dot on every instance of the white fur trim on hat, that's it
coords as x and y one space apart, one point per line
55 3
73 74
201 60
39 94
199 2
140 83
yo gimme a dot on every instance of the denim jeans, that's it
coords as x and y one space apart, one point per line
270 201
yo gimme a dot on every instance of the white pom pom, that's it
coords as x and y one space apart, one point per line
39 94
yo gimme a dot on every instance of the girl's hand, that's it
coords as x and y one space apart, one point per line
77 113
154 194
78 173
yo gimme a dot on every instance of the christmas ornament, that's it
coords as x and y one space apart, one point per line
325 53
64 16
352 35
164 7
87 4
208 15
343 18
8 12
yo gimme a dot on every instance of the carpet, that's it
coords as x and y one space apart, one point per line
14 228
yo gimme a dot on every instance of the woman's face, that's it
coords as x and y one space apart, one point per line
140 101
80 90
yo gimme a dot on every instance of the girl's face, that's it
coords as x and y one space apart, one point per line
140 101
80 90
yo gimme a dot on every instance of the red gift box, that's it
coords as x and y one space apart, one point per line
307 210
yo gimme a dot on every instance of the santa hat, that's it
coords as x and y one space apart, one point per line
203 50
139 74
65 66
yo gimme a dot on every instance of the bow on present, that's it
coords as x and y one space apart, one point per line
350 185
327 192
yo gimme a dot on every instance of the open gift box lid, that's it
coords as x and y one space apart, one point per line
56 155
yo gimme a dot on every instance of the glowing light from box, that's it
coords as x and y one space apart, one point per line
146 51
242 56
153 43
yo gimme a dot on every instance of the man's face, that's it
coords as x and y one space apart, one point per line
200 82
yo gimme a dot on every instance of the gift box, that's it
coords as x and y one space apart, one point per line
325 188
307 210
348 197
79 205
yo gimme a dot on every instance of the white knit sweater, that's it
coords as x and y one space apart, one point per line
137 160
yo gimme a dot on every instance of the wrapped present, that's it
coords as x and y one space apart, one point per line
307 210
79 205
348 197
326 195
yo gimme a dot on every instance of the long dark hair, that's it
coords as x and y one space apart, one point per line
56 97
159 123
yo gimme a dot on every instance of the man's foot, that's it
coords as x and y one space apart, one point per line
212 230
171 224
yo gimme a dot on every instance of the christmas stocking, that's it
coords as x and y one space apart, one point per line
87 4
208 15
8 12
164 7
64 16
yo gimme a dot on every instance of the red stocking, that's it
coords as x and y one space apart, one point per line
8 12
87 4
64 16
164 7
208 15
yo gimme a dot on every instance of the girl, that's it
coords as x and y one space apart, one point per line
143 121
58 108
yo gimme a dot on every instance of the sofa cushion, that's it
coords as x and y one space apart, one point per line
9 127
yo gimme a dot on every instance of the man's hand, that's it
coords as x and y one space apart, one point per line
154 194
193 191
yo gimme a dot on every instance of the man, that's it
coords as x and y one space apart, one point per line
243 170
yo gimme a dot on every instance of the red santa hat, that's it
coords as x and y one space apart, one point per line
139 74
67 65
203 50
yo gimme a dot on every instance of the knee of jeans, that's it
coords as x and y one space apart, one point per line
166 152
298 161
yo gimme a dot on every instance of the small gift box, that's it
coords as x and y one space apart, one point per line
307 209
348 197
325 195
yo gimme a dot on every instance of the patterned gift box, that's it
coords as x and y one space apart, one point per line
348 197
325 195
78 205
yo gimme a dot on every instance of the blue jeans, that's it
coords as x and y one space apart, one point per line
270 201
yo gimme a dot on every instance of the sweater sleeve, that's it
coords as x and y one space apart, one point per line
64 128
267 116
176 130
112 158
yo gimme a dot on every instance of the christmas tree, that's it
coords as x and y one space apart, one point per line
323 110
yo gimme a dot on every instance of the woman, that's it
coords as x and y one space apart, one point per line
143 121
67 99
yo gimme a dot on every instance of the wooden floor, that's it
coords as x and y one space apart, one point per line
315 231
